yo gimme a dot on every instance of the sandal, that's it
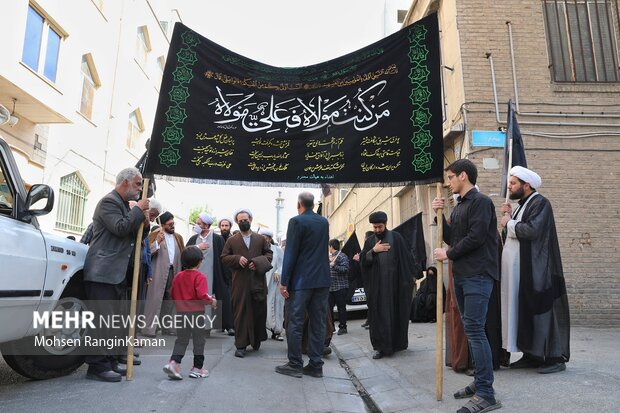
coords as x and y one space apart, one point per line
479 405
466 391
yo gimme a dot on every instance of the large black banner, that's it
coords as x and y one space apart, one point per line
371 117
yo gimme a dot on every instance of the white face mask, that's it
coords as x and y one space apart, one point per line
197 229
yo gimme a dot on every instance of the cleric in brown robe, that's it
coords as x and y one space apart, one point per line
389 267
249 256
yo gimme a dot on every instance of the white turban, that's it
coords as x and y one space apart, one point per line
526 175
266 231
247 211
230 221
206 218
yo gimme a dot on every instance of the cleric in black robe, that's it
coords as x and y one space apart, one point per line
389 267
543 324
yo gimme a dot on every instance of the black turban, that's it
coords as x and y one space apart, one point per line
378 217
165 217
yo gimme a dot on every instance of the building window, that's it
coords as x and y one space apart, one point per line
99 4
143 46
90 82
72 197
582 39
161 64
135 127
400 15
41 45
164 26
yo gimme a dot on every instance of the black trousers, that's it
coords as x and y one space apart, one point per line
104 300
193 327
339 298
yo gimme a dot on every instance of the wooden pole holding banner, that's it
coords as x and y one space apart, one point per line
509 166
439 343
134 289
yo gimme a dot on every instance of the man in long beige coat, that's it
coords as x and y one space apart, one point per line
249 256
166 247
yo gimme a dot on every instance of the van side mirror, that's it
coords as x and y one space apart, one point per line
40 200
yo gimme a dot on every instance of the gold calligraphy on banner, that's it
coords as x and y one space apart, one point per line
272 166
214 152
210 162
342 82
379 148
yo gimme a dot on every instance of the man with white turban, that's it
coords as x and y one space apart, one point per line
275 301
211 245
535 317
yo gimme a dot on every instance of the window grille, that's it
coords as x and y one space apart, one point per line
72 197
582 39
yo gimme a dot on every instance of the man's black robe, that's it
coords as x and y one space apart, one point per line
544 320
390 284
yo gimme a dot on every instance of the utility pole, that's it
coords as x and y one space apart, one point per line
279 207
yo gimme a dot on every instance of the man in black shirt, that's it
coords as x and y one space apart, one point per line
472 236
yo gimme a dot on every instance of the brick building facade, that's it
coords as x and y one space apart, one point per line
565 80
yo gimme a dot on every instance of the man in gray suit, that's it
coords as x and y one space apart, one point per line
115 227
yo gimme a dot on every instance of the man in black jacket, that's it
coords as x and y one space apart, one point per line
472 236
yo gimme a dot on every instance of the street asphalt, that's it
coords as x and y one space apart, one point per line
404 382
234 385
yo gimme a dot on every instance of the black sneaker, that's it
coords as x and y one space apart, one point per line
109 376
342 330
317 372
288 370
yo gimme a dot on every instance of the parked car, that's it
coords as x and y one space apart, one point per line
38 272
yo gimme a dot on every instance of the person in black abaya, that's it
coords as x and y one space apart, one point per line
388 265
424 305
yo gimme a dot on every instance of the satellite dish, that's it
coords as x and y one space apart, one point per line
5 115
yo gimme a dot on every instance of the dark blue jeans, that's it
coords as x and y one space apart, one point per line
472 297
314 302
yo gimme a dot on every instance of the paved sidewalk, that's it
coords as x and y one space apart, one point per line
405 382
235 385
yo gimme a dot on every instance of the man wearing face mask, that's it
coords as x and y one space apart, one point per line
389 268
166 247
249 257
211 245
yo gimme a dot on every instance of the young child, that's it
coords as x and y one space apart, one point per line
189 290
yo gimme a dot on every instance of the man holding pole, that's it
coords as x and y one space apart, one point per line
115 228
472 236
535 316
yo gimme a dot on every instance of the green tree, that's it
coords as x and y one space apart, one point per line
193 214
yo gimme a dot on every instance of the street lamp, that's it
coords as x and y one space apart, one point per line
279 207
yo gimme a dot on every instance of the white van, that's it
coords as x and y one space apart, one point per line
38 272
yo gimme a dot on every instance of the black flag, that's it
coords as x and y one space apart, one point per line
518 150
413 232
140 165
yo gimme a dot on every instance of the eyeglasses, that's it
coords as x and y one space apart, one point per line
450 177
